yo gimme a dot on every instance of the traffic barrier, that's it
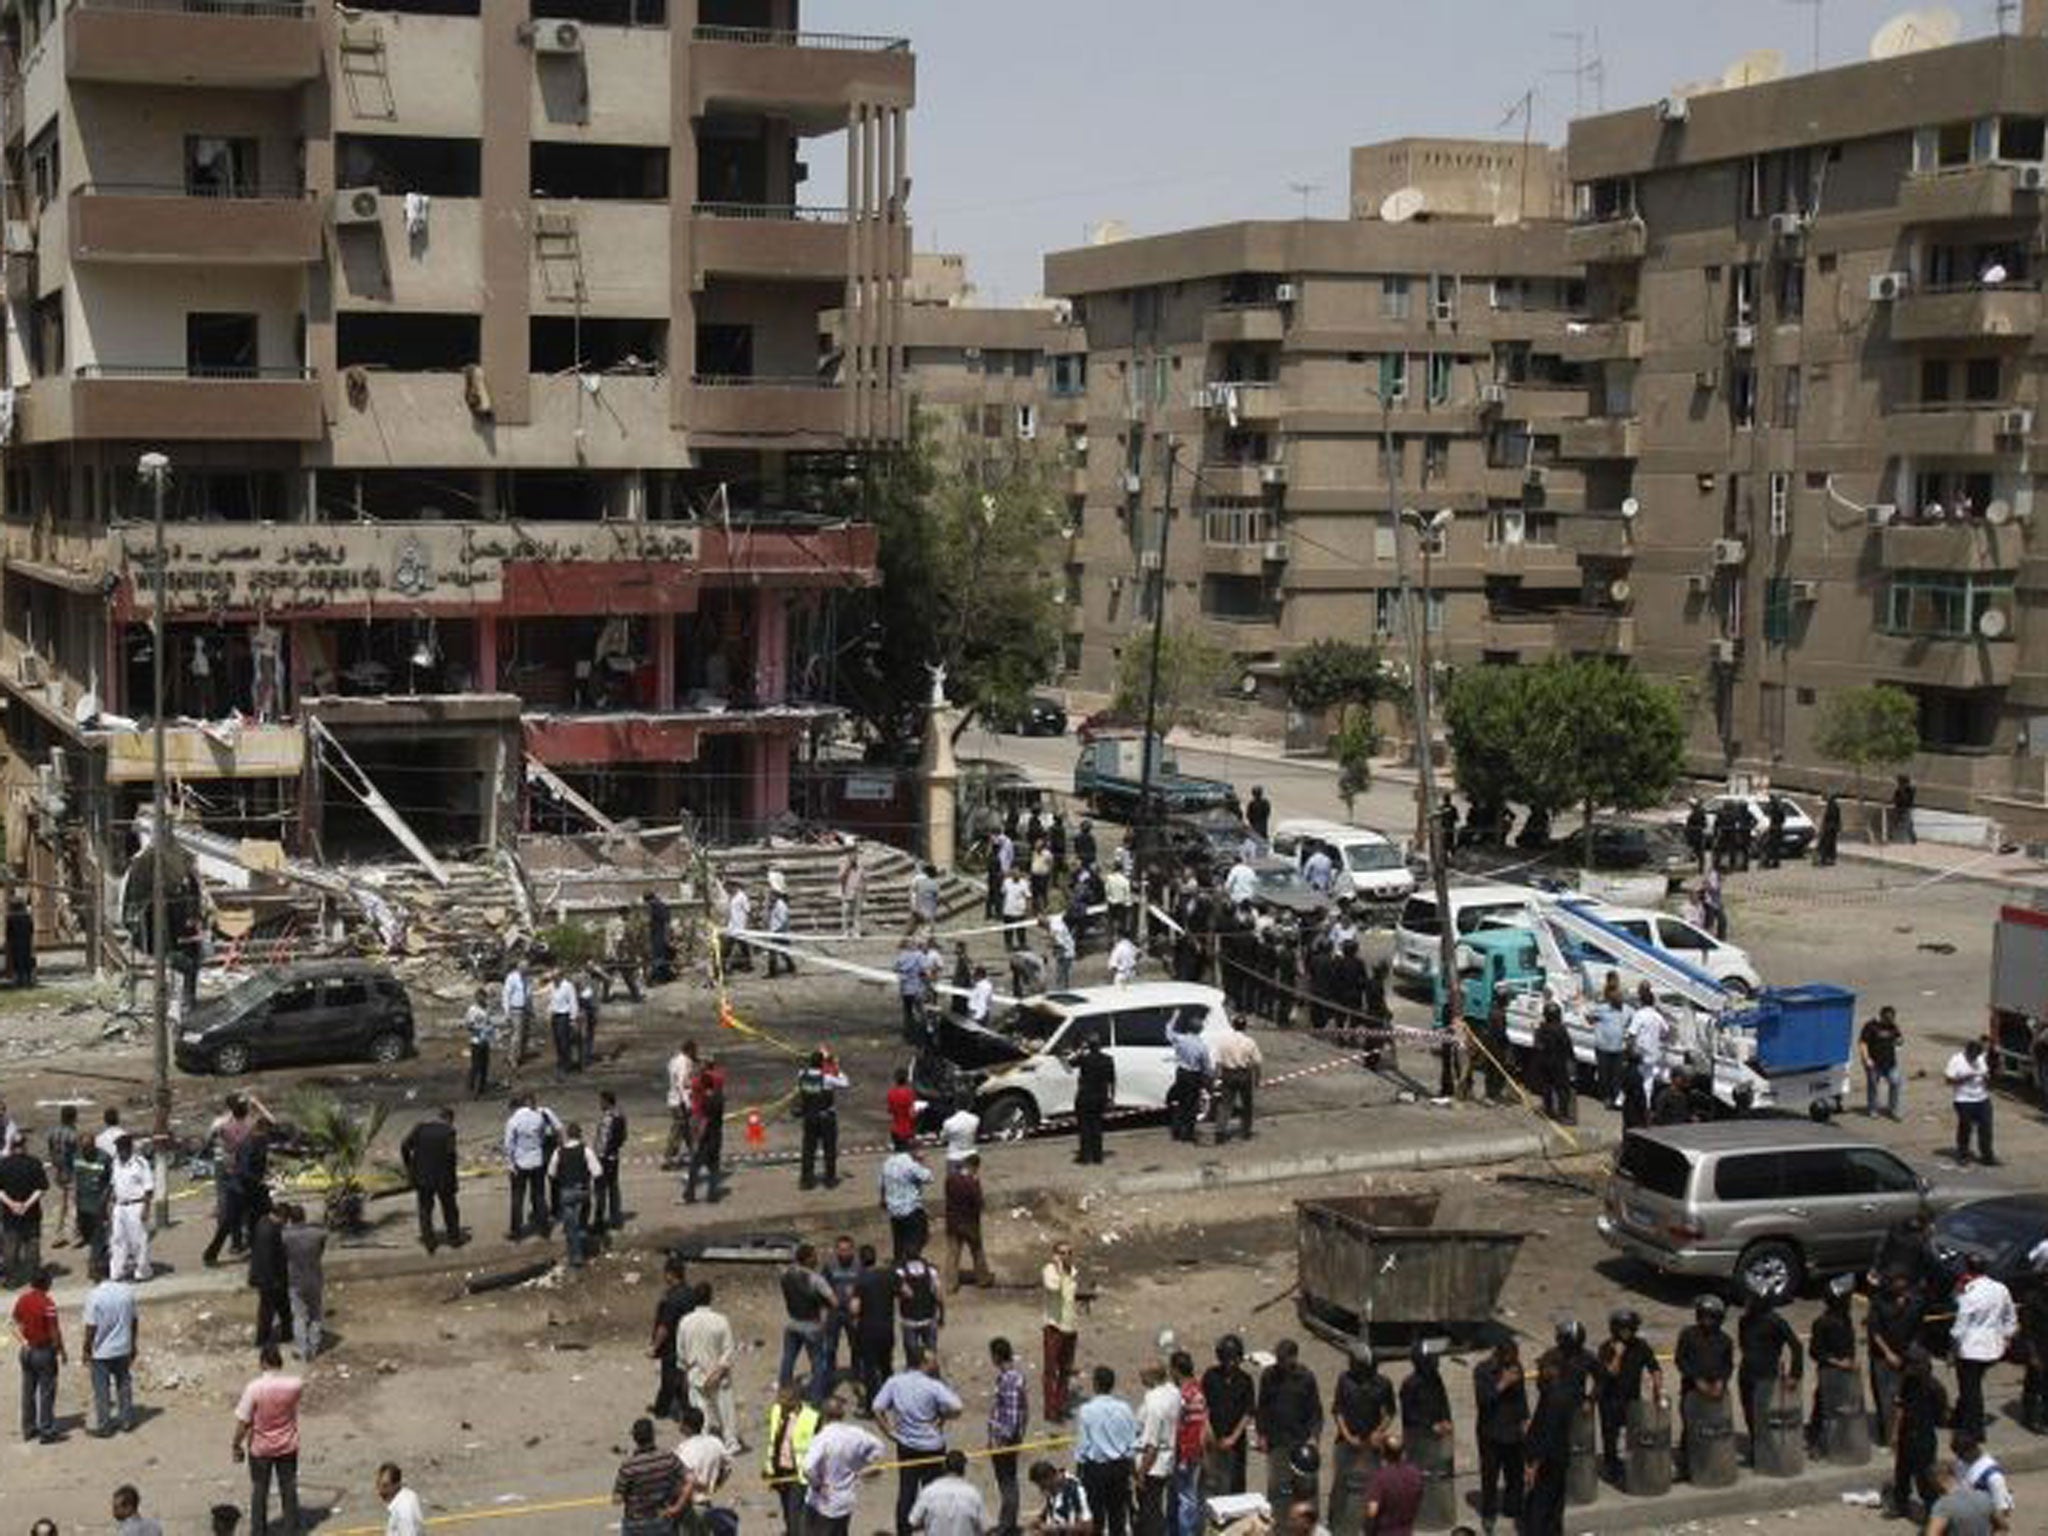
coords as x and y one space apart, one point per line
1780 1448
1647 1471
1844 1421
1709 1425
1582 1471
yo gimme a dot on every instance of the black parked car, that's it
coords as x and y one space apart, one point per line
318 1012
1039 715
2000 1233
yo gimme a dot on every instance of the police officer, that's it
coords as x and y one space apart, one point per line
2033 1353
1548 1449
1832 1341
1705 1359
1094 1093
817 1105
1623 1362
1426 1412
1570 1360
1766 1340
1362 1410
1890 1327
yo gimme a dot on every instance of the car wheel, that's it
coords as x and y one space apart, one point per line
231 1060
1011 1117
387 1049
1738 986
1771 1269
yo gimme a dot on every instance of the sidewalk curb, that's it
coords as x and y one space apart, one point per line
2028 880
1615 1513
1473 1153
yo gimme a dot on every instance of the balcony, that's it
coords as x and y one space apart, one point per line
1237 401
1958 547
1956 430
741 412
770 241
115 223
239 44
1941 662
1248 480
1247 322
1609 240
255 752
1600 437
1543 402
1601 341
174 405
1985 191
1237 560
1596 632
1537 565
810 77
1599 535
1527 637
1966 314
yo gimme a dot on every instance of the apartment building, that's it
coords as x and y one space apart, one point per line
1314 376
1817 371
483 341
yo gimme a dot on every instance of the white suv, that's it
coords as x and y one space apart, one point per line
1135 1025
1367 865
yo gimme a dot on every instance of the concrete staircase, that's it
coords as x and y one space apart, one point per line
811 872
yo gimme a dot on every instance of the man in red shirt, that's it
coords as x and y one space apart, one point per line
1189 1445
41 1336
267 1433
902 1100
1393 1498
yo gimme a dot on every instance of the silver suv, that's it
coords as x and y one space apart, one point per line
1761 1204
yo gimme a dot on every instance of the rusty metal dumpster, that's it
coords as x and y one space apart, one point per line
1377 1267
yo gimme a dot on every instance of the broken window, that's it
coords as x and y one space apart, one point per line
226 495
408 343
560 345
562 495
591 171
220 167
725 351
403 163
606 13
220 346
398 495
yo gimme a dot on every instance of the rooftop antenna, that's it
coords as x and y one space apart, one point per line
1584 68
2002 14
1815 6
1304 190
1916 32
1525 105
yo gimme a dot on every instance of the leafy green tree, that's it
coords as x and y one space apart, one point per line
1357 739
1191 669
1866 728
1327 672
1486 718
966 582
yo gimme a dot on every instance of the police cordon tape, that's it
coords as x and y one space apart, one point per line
517 1511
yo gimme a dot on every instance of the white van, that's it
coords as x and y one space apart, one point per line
1135 1025
1417 933
1368 866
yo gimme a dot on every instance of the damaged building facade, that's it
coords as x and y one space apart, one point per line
484 344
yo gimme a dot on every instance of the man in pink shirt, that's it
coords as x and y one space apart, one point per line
267 1432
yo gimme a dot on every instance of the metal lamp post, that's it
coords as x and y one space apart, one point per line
155 470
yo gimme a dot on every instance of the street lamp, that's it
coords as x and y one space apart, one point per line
155 470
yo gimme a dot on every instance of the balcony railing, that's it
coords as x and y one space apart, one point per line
770 37
287 10
240 192
774 213
189 371
761 381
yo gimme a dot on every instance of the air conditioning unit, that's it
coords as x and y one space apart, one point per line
1742 336
1722 651
2033 177
1730 552
21 238
1673 109
356 205
1493 394
1272 474
1275 552
1886 286
1882 513
2017 422
1805 591
1283 293
972 354
1788 226
1696 585
1133 483
1148 560
1619 591
1706 378
476 390
557 37
1535 475
1027 422
28 669
1116 583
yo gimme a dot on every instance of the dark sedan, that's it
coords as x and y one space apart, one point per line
1039 715
297 1015
2000 1233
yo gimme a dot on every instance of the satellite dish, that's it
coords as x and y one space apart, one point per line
1402 204
1248 685
1630 507
1753 68
1998 514
1916 32
1991 623
1619 590
1108 232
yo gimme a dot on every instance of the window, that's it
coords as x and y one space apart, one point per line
1795 189
220 346
1655 1167
1946 605
1070 374
1236 599
1791 291
1742 295
1753 1176
46 339
46 167
425 343
1872 1172
1386 612
1742 397
1957 719
347 994
1752 204
1676 935
1436 457
1777 610
297 998
1393 376
1981 379
220 167
1780 504
1597 202
1443 296
629 172
1143 1026
1393 298
1440 364
1159 381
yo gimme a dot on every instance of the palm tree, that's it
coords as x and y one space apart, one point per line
339 1140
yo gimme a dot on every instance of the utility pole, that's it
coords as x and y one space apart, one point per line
156 469
1390 457
1148 750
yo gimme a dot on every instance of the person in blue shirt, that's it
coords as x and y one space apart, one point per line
912 1408
1106 1436
1610 1038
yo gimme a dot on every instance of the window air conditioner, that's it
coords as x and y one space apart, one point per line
1272 474
2015 423
1805 591
1722 651
2033 177
1886 286
1730 552
1132 483
1283 293
1275 552
1493 394
1788 226
1742 336
356 205
557 37
1148 560
1673 109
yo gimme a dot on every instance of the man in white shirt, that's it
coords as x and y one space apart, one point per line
1982 1332
958 1131
1969 1079
706 1461
1241 884
1648 1033
1123 961
853 884
526 1131
562 1021
981 997
949 1505
704 1348
1116 895
1977 1468
517 1001
1064 948
839 1456
1016 909
779 961
739 916
1318 871
402 1513
1158 1424
682 1067
132 1187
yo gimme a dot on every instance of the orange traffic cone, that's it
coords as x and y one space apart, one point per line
757 1133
